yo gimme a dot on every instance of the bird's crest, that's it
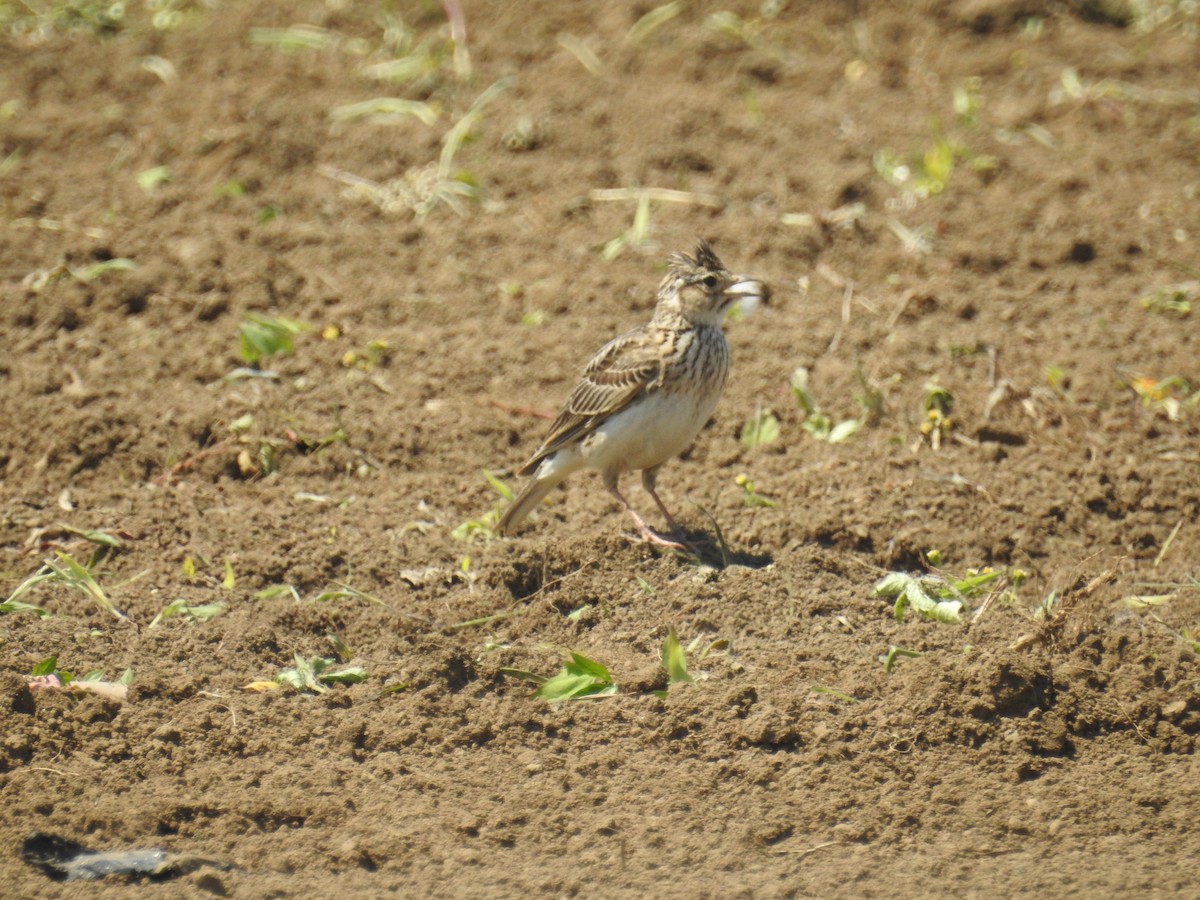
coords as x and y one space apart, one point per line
705 258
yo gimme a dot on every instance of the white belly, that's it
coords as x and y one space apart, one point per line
648 433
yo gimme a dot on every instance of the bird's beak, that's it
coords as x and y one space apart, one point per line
747 293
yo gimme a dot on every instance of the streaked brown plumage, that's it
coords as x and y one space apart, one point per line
645 395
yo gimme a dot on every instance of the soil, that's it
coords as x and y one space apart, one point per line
1043 744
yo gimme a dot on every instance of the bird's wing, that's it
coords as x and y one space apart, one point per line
621 371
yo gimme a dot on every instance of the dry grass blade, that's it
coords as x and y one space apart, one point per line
666 195
582 52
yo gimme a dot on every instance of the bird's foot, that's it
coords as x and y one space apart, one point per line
650 536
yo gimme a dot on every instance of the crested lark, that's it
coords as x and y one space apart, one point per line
646 394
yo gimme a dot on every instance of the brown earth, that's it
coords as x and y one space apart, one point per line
1016 755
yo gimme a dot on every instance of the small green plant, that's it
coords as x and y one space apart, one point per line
375 354
1058 379
1174 300
68 571
315 675
48 668
423 61
484 528
637 235
152 179
835 693
1170 396
342 591
816 423
88 274
261 336
1047 606
937 403
750 496
674 660
580 677
41 279
423 188
192 614
96 17
968 101
278 590
894 653
927 173
941 596
932 597
1073 89
12 606
760 430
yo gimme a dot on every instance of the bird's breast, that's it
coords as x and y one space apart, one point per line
657 426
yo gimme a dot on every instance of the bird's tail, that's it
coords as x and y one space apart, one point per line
526 502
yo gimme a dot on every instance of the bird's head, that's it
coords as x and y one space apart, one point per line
700 290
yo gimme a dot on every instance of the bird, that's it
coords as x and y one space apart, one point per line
645 395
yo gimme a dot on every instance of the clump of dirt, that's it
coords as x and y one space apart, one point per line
995 201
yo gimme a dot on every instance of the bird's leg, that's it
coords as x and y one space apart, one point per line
649 481
648 534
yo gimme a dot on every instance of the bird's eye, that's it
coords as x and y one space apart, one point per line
710 281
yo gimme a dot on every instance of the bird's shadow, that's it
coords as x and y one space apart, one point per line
701 548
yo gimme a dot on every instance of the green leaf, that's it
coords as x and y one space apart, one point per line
96 270
352 675
893 653
392 689
565 686
761 430
580 677
340 647
150 180
910 591
100 538
278 590
674 660
800 390
171 609
11 606
47 666
261 336
589 667
938 164
843 431
498 486
75 575
973 584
